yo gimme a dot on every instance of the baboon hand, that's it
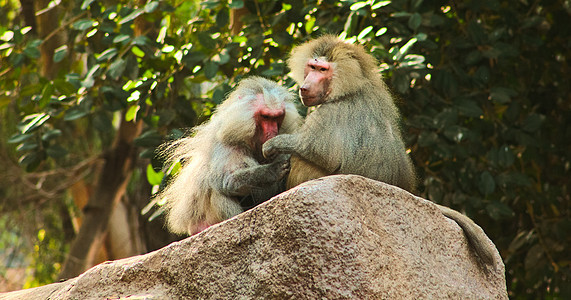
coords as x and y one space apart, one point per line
269 149
281 165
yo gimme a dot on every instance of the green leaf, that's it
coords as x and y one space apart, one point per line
51 134
499 211
492 53
102 122
122 38
525 139
192 59
221 91
421 36
75 113
468 107
520 179
521 239
309 24
176 134
358 5
482 74
455 133
83 24
445 118
413 60
32 50
222 18
154 178
210 4
148 153
31 90
445 81
487 184
107 54
401 80
141 40
137 51
236 4
18 138
476 31
275 71
147 139
364 32
206 40
427 138
174 169
160 211
60 53
414 21
533 122
26 146
132 16
56 151
132 113
502 95
381 31
151 6
473 57
31 160
221 58
132 69
400 14
64 87
415 4
210 69
85 4
117 68
88 82
404 50
506 157
47 94
505 50
380 4
17 59
283 38
34 121
350 23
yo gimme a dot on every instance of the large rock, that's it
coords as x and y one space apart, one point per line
338 237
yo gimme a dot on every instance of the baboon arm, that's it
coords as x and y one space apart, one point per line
291 144
284 143
240 182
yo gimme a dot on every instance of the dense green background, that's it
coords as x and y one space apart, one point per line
483 87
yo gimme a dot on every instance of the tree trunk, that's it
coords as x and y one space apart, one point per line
124 235
29 14
48 22
236 23
113 179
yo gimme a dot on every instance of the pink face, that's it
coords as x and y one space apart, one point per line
268 121
317 77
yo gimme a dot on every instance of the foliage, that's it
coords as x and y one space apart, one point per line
483 87
39 255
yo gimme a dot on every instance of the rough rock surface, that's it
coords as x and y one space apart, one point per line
339 237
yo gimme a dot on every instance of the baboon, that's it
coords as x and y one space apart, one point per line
223 170
355 128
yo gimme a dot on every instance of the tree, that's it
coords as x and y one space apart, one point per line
483 88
